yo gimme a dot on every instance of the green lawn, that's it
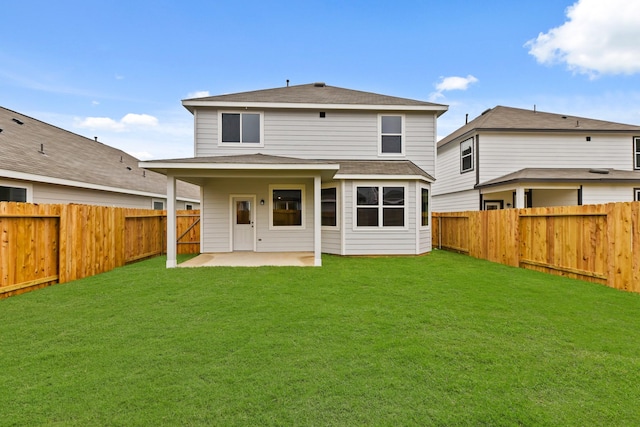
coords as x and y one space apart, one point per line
442 340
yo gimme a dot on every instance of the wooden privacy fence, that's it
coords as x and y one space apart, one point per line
596 243
45 244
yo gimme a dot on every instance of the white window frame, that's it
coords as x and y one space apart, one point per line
636 194
401 135
636 152
153 203
27 187
240 144
338 206
380 206
419 204
462 170
303 202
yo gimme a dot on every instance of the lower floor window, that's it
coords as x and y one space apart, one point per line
380 206
13 194
158 205
329 206
287 207
424 214
636 191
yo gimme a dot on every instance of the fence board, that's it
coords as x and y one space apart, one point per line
45 244
597 243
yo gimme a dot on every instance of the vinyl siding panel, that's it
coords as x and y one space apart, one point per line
339 135
331 242
380 241
217 216
457 202
51 193
449 179
601 193
501 154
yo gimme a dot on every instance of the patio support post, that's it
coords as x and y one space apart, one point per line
317 221
172 246
519 198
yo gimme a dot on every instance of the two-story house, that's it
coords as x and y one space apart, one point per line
310 168
510 157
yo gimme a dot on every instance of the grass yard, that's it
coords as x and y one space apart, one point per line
442 340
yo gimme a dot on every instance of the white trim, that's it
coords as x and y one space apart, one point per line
402 137
59 181
636 194
232 211
314 106
335 185
27 186
317 222
636 151
154 201
343 230
240 143
382 177
172 244
237 166
301 187
380 206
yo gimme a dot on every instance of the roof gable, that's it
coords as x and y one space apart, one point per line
516 119
312 94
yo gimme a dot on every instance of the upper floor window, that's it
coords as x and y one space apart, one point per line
241 128
391 135
13 194
466 155
636 152
378 206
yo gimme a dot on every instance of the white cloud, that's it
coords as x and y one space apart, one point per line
128 122
599 37
452 83
198 94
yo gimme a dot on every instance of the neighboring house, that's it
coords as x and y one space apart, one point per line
41 163
510 157
310 168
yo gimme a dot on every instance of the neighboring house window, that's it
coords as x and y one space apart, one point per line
424 202
287 206
188 207
391 135
329 206
636 194
13 194
241 128
380 206
158 205
466 155
636 152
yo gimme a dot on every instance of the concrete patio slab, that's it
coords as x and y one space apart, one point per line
251 259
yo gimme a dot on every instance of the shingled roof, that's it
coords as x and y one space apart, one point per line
314 94
519 120
32 147
565 175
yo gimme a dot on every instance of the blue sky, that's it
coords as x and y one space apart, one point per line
119 69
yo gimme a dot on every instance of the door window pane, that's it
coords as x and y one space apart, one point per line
243 212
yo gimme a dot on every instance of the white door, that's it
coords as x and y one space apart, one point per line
243 223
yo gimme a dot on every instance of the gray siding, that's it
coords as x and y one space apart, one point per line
382 241
449 179
501 154
457 202
339 135
601 193
217 212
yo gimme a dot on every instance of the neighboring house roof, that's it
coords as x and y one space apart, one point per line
344 168
565 175
33 150
519 120
312 96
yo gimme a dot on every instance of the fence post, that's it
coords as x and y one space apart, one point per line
619 236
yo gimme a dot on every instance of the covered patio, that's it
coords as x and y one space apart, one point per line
251 259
